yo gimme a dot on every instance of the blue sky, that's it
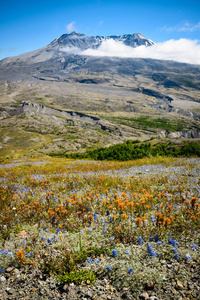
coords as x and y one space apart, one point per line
29 25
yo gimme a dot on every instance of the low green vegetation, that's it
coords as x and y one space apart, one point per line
149 122
78 277
135 149
188 83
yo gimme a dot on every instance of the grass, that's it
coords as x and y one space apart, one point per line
67 216
150 122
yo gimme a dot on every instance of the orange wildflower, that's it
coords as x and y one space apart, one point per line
91 217
20 256
193 201
167 222
138 221
159 218
124 216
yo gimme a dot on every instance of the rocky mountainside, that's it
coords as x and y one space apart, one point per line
76 40
123 98
83 41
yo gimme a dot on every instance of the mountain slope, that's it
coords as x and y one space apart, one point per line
76 40
42 93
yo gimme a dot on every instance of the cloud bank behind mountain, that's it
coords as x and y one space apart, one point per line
182 50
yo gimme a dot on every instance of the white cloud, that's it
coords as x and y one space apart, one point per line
183 50
184 27
71 26
71 50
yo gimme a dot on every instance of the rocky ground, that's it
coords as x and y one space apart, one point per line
182 281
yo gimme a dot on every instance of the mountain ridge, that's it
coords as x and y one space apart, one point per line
79 41
75 39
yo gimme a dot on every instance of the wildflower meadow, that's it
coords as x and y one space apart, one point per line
80 221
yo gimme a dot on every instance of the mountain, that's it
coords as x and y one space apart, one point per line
84 42
66 101
73 41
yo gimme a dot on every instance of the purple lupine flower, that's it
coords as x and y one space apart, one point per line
150 239
188 257
194 247
43 238
90 261
152 253
127 252
90 229
47 230
175 250
130 270
109 268
149 248
156 238
104 228
49 240
95 216
107 213
114 253
176 256
97 261
140 242
173 242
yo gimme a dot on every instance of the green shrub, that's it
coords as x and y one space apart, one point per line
78 277
134 150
